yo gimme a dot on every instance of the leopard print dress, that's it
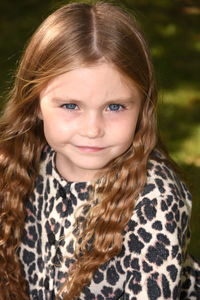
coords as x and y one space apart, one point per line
153 263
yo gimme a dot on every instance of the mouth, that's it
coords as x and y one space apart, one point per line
90 149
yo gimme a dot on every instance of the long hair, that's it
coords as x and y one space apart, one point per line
75 35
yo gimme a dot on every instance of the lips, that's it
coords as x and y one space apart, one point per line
90 149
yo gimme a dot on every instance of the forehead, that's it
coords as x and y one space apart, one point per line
101 81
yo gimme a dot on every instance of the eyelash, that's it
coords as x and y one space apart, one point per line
67 106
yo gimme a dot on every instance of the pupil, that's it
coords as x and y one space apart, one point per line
114 106
71 106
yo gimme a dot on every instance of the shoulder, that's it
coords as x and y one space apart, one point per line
157 235
163 182
164 204
158 228
46 161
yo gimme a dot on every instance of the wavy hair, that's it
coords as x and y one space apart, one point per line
77 34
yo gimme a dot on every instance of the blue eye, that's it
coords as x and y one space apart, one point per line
70 106
115 107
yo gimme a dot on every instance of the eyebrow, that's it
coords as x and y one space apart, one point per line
116 100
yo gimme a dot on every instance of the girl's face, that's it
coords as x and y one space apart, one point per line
89 116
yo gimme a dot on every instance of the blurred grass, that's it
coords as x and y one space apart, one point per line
172 29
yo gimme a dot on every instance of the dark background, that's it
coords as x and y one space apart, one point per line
172 29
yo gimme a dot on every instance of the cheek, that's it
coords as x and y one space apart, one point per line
51 126
122 136
58 128
124 128
129 134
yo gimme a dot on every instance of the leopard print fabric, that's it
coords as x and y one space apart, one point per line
153 263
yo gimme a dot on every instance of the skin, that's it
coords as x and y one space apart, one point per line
89 117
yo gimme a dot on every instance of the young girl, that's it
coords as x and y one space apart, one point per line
91 207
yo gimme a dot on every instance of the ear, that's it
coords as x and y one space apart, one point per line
39 114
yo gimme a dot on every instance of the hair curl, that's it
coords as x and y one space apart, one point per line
75 35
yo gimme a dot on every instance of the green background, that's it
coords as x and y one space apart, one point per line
172 29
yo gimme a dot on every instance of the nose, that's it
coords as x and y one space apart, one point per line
92 126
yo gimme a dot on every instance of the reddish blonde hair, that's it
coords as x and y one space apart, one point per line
75 35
